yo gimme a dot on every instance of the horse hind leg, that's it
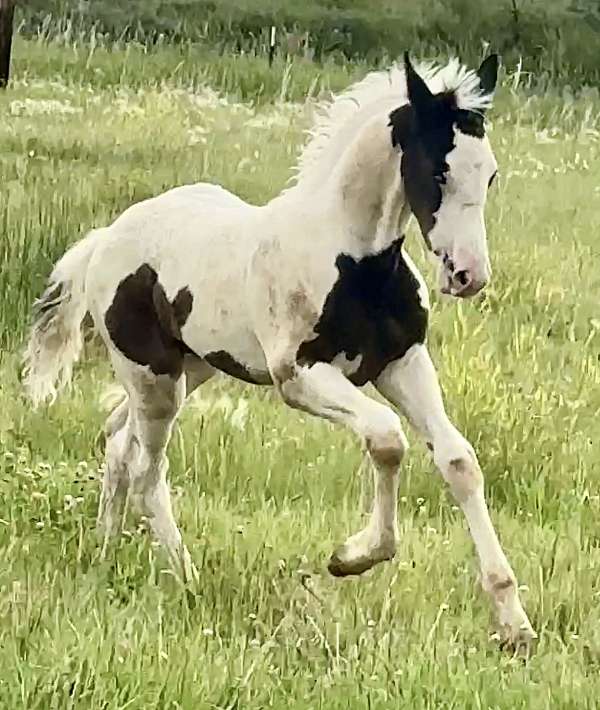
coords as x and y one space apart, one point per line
142 329
115 483
136 450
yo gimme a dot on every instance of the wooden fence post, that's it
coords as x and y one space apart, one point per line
7 12
271 45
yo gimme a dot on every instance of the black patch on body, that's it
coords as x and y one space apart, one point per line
145 326
425 141
373 310
223 361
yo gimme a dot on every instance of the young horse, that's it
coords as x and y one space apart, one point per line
312 292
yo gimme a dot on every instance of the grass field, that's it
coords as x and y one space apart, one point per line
263 493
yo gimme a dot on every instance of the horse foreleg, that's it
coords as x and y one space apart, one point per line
323 390
412 384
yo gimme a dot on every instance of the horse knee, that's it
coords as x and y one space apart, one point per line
388 444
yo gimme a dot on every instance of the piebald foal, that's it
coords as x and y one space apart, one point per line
311 292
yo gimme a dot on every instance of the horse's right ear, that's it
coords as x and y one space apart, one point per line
488 74
419 95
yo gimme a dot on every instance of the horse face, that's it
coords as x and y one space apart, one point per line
457 235
447 165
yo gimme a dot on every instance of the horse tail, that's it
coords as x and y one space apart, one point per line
55 339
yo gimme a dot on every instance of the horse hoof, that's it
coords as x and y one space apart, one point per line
340 566
518 642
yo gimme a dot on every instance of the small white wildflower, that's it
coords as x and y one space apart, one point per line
35 107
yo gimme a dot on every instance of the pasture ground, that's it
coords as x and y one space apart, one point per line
263 493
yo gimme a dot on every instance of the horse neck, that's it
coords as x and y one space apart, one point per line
366 191
357 202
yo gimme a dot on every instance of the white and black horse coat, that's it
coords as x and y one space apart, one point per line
311 292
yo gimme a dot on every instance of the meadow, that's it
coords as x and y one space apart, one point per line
263 493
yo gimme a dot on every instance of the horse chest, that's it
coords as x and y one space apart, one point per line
371 317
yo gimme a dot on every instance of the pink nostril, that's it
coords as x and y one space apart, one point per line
463 277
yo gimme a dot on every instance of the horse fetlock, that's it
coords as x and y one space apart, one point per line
516 632
515 628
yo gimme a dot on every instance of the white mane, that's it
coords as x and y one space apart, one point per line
379 90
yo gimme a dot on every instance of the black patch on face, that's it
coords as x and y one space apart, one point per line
145 326
373 310
223 361
426 139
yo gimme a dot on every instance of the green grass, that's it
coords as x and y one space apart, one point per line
555 38
262 493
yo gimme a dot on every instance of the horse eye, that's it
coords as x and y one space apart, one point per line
491 180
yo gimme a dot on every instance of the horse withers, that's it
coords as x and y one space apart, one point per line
312 292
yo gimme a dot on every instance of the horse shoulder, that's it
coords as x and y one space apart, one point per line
288 281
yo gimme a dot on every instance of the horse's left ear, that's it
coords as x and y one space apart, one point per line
419 95
488 74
